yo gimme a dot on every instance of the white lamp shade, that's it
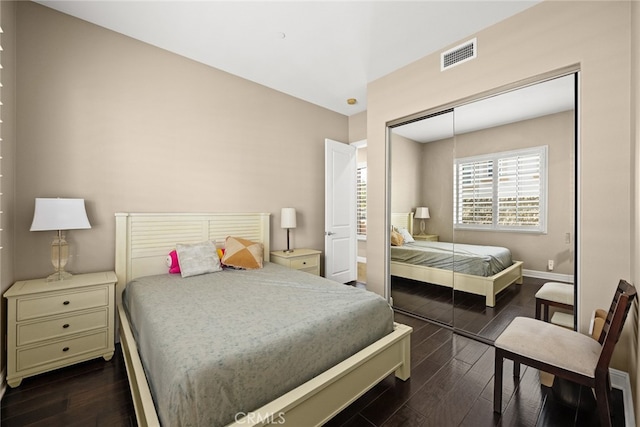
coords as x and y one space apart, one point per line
422 213
288 218
59 214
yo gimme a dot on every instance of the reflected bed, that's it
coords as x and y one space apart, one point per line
480 270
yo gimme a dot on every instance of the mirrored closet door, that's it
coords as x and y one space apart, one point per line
497 176
421 156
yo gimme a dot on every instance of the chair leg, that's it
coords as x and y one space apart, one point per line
538 306
516 369
602 400
497 383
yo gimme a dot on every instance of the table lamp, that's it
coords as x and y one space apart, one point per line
288 221
59 215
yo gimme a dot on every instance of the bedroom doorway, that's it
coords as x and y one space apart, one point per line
428 154
340 212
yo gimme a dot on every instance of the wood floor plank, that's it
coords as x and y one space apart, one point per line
481 414
353 410
523 408
405 416
427 347
427 398
461 398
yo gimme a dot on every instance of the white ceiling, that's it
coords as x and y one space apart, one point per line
549 97
323 52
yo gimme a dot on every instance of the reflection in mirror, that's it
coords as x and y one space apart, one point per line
501 194
422 281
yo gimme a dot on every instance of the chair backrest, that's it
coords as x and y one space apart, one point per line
622 300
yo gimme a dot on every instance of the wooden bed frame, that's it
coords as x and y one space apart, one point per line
143 241
488 287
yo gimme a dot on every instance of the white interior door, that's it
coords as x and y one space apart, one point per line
340 212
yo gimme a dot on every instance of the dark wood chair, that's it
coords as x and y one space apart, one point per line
565 353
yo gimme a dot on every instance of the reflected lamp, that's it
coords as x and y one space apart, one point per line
422 213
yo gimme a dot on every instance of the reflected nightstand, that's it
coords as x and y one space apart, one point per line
427 237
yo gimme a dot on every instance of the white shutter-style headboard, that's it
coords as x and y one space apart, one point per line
143 240
403 219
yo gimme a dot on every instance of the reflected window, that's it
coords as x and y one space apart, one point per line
361 199
502 191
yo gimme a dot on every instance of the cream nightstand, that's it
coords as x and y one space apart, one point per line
56 324
426 237
300 259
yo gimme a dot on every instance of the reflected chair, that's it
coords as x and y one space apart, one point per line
553 294
565 353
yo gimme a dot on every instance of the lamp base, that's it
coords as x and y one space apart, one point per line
59 258
288 250
59 275
422 228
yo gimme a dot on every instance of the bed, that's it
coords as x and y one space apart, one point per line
478 270
142 243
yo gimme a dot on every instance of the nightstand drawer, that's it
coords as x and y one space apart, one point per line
53 352
62 326
301 263
31 308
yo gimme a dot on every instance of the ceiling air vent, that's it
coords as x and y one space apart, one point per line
459 54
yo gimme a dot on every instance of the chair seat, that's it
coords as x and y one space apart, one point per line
551 344
562 319
558 292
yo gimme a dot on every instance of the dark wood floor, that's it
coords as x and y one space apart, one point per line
465 311
93 393
451 385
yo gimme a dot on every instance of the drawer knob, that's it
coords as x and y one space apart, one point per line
66 303
65 349
304 262
65 326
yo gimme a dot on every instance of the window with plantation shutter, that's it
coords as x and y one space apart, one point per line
502 191
361 200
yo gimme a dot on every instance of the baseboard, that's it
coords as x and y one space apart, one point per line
554 277
620 380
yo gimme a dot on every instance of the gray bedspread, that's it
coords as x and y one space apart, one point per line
469 259
221 344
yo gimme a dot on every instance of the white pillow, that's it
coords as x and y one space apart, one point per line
198 258
406 235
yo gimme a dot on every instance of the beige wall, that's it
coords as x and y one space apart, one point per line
130 127
406 174
634 354
358 127
596 36
437 191
8 147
